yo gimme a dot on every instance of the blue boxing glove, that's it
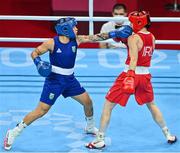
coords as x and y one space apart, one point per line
44 68
123 32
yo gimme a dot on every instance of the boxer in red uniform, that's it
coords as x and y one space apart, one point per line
135 79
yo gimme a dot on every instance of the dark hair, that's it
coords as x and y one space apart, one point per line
118 6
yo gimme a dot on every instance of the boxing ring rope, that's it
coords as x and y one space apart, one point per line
13 39
79 18
89 19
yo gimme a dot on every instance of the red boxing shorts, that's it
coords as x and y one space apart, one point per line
143 90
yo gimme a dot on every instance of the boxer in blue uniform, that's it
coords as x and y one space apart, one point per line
59 73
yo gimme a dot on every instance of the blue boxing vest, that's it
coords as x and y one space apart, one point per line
63 55
62 79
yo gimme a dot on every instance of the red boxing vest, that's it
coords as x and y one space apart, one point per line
145 54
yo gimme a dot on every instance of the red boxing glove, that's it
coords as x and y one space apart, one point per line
129 83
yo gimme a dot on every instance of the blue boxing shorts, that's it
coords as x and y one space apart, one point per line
55 85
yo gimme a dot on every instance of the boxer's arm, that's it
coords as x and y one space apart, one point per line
133 51
122 32
129 80
43 48
44 68
92 38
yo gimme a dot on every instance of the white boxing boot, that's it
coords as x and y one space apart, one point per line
170 138
97 143
12 134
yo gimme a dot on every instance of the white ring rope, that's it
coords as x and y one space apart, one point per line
54 18
13 39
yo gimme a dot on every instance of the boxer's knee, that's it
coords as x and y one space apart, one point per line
42 109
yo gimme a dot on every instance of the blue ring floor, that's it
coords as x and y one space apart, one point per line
131 128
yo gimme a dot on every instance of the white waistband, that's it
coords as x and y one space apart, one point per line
138 70
62 71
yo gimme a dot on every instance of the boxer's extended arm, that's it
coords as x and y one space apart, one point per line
123 32
92 38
